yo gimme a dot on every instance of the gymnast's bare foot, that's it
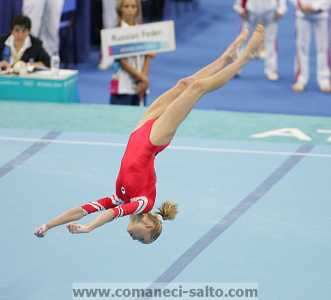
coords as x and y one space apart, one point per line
255 42
232 51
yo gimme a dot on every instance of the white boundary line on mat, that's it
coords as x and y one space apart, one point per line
178 148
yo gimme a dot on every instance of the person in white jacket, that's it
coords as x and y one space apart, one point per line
267 12
312 15
46 17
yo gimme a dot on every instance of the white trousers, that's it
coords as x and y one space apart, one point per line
270 41
304 27
45 16
109 14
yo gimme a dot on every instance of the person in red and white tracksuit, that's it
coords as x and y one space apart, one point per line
135 192
312 15
267 12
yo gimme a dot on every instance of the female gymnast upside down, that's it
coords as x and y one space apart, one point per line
136 182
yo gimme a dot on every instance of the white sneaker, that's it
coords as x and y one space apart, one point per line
298 86
273 76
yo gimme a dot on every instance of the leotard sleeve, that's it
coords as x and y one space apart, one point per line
136 206
101 204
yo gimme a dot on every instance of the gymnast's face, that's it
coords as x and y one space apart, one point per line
140 227
129 11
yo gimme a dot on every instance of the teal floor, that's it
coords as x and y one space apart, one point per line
251 210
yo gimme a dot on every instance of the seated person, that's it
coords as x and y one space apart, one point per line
20 48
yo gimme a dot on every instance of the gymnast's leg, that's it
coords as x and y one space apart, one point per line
166 125
161 103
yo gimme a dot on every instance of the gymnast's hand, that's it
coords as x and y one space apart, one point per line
78 228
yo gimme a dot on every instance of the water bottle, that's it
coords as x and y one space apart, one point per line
55 65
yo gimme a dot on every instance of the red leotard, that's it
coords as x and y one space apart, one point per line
136 180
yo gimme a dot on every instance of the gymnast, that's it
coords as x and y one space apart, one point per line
136 182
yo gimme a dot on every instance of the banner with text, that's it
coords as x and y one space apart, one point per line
135 40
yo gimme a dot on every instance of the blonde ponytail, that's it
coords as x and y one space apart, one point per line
168 210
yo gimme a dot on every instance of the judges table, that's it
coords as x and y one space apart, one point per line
44 86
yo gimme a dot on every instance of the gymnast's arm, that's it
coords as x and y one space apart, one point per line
75 214
109 215
70 215
102 219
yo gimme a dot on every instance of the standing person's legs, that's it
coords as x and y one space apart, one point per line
166 125
271 60
303 30
323 55
161 103
34 10
50 28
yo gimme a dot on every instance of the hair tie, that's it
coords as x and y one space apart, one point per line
160 218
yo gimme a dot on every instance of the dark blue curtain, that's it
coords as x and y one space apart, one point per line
8 9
